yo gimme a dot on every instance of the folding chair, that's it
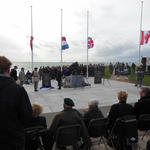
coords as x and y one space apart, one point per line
68 136
144 124
34 137
124 133
98 129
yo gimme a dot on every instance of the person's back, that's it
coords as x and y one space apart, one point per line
15 111
13 73
37 119
35 76
68 117
143 105
93 113
120 109
22 76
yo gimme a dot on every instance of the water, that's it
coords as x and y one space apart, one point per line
27 65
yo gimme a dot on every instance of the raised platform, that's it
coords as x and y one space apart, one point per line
52 100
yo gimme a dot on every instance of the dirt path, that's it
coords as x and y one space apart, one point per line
121 78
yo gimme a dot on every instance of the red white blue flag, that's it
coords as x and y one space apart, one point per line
90 43
145 36
64 43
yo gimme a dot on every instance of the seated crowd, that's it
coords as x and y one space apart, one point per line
18 115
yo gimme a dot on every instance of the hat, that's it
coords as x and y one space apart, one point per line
68 102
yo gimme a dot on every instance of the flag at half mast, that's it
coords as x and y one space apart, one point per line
31 43
145 36
90 43
64 43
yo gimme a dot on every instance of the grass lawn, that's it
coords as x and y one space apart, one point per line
146 81
132 77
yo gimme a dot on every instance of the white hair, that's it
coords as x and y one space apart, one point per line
93 103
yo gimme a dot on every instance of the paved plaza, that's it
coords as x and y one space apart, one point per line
52 100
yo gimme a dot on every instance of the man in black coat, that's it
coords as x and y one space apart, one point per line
143 105
15 110
139 76
59 78
13 73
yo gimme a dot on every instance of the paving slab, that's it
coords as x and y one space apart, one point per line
52 100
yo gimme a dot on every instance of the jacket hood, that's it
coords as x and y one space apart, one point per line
5 82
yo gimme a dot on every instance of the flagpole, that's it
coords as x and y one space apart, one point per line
141 20
87 73
31 36
61 38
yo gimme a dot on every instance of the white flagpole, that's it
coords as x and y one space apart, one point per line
32 41
141 20
87 73
61 39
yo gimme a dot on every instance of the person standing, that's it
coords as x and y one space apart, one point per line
111 68
15 110
133 67
13 73
22 77
59 78
36 77
139 76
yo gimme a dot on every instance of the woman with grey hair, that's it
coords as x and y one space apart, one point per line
93 112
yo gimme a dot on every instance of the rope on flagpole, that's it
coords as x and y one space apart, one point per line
141 20
61 38
87 70
31 37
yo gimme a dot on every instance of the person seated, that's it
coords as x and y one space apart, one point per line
68 116
120 109
28 77
93 112
36 121
143 105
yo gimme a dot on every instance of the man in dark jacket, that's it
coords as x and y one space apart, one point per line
59 78
93 112
139 76
69 117
143 105
13 73
15 110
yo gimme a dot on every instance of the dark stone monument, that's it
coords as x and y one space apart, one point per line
46 80
74 81
98 77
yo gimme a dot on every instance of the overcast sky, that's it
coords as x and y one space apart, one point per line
113 25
